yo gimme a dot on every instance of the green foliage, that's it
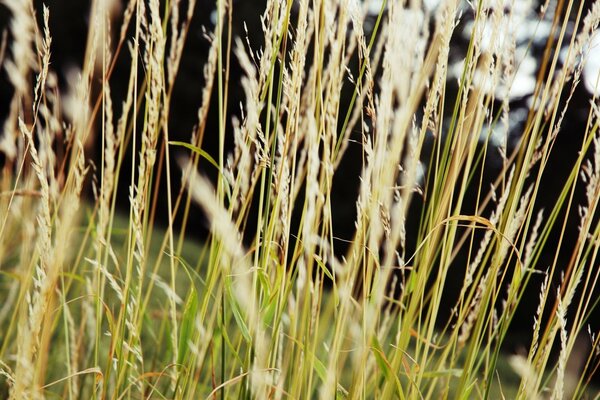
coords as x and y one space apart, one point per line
99 305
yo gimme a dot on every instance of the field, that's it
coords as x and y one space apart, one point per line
354 214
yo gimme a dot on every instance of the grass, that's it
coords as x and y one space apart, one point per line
97 305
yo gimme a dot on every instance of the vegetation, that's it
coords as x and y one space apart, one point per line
94 305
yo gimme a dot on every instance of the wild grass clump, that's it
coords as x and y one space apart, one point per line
95 305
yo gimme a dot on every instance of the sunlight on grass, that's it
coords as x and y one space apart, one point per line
101 296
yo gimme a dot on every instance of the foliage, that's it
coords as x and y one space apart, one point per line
98 306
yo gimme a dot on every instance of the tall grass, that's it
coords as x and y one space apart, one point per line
95 305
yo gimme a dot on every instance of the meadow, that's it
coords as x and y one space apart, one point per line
421 293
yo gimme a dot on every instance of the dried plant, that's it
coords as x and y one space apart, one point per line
277 301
